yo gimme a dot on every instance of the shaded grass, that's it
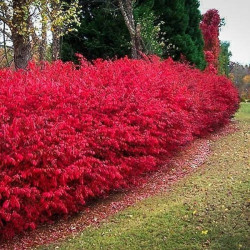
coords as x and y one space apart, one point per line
207 210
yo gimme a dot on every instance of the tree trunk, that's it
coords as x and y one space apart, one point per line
55 5
126 7
20 33
133 47
138 41
136 44
55 46
4 46
22 51
43 43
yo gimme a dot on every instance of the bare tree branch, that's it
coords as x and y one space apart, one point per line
126 7
5 20
4 44
127 18
7 46
5 15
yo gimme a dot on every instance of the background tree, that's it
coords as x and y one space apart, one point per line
44 30
194 53
20 21
180 30
239 74
224 58
6 50
134 28
102 33
64 17
246 79
210 29
150 28
161 27
16 16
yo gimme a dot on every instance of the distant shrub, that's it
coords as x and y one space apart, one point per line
68 134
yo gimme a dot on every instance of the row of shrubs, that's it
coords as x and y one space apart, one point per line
69 133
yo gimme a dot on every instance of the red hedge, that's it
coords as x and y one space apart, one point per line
69 134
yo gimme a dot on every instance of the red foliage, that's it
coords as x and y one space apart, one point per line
69 134
210 30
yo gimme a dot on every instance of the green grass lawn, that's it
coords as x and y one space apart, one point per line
244 112
207 210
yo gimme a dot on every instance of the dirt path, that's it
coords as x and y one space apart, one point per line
182 164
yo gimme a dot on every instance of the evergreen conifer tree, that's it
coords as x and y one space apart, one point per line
180 30
102 33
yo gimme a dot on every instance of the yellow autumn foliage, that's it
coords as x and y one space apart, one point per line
246 79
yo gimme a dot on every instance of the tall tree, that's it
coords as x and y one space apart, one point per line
16 15
134 28
102 33
21 18
62 16
180 30
150 28
224 58
158 27
239 75
246 79
196 54
6 58
210 29
44 30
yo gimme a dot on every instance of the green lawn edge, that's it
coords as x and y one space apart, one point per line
207 210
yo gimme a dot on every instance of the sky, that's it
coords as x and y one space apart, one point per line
237 28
